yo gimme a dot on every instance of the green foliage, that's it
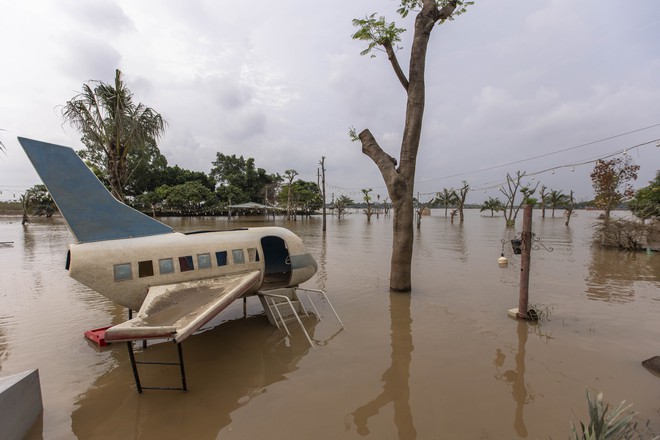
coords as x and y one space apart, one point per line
609 424
305 196
611 181
646 204
352 133
556 199
112 126
37 201
415 5
493 205
239 180
189 198
176 176
377 32
341 204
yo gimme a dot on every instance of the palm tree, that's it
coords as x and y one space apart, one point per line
494 204
446 198
556 199
112 125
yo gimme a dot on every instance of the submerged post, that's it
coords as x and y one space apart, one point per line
525 262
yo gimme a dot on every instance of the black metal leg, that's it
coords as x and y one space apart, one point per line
183 371
136 375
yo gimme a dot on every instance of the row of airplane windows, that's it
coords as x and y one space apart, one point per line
124 271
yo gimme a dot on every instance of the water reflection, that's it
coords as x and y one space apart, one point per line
226 368
521 391
395 379
612 274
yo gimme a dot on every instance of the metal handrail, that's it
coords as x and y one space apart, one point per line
326 299
294 314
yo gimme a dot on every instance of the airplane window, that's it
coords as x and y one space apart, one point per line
186 263
239 258
221 257
123 272
166 266
145 268
253 255
203 261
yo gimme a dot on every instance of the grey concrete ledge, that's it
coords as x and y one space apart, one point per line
20 404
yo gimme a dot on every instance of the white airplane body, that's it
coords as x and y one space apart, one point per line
176 281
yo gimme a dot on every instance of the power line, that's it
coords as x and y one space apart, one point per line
569 165
543 155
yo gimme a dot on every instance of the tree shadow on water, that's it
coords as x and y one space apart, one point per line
395 379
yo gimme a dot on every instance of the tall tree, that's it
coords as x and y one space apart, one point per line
611 181
570 204
112 125
369 201
289 175
400 179
513 187
305 196
543 195
646 204
239 180
446 198
556 199
341 204
460 199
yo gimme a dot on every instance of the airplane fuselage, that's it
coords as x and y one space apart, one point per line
123 270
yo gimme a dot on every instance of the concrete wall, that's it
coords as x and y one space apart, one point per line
20 404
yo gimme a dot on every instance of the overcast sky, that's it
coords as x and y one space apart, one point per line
282 81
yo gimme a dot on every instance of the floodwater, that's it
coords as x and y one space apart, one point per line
444 362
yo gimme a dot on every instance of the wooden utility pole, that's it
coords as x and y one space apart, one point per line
525 262
322 163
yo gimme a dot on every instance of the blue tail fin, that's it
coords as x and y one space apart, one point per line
92 213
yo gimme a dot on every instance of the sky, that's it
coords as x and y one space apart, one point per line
543 86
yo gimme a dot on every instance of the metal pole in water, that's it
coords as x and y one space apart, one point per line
525 262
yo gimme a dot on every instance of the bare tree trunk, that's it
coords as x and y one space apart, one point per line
402 246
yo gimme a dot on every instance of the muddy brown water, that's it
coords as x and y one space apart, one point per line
444 362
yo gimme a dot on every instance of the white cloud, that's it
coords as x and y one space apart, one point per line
282 82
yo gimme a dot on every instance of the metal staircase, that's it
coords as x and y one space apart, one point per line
286 305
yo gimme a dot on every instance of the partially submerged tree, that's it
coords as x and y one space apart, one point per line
368 200
341 204
400 177
289 175
37 201
239 180
611 181
460 199
112 125
41 203
446 198
493 205
513 187
190 198
556 199
570 204
543 195
305 196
